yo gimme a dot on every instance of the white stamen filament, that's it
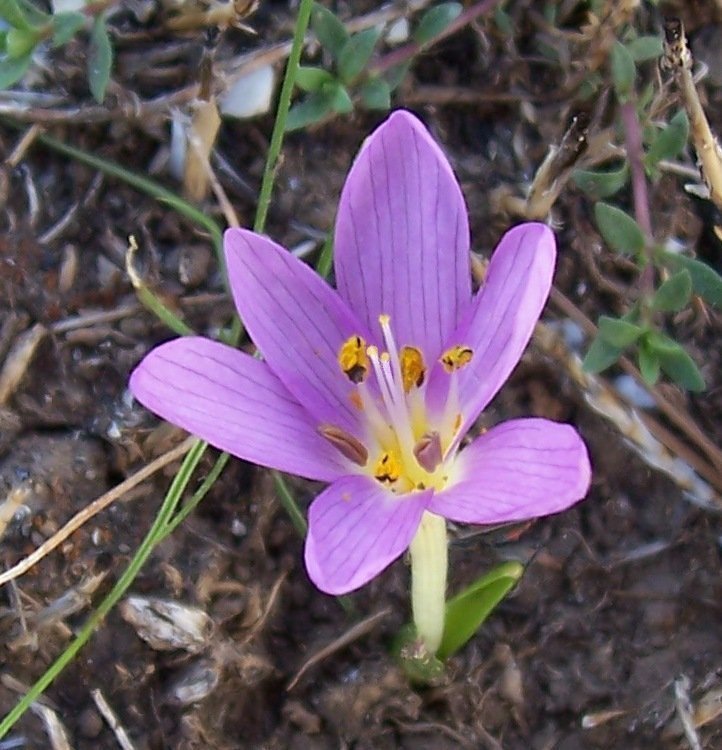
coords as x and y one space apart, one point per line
392 393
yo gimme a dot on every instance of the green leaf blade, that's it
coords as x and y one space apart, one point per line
356 53
467 611
619 230
706 282
645 48
66 26
676 363
312 79
619 333
601 355
12 70
623 70
309 111
670 141
100 59
674 293
376 94
435 20
329 30
601 184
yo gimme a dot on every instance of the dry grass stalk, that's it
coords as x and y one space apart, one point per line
113 722
678 59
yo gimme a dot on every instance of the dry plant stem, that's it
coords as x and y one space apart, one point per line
355 632
684 711
680 418
112 720
94 508
678 58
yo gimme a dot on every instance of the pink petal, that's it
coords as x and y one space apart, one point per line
402 236
237 404
297 322
521 469
501 318
356 528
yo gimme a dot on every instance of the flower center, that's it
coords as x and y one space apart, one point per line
404 447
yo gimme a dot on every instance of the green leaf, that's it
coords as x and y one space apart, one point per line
601 184
376 94
12 13
600 356
100 59
12 70
623 71
645 48
33 14
340 99
619 333
20 42
356 53
312 109
329 30
467 610
435 20
705 280
648 363
676 363
66 26
395 75
674 293
670 141
620 231
313 79
504 22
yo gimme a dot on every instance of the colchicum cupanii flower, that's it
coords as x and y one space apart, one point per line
372 386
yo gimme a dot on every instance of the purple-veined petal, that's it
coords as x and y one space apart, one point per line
297 322
521 469
402 236
356 528
500 320
237 404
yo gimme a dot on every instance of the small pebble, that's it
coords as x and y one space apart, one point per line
90 723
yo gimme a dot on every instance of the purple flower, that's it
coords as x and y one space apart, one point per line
372 386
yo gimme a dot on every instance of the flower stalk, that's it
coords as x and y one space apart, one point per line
429 563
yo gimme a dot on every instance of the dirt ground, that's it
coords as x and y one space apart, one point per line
617 618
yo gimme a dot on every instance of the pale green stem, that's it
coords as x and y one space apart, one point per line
429 562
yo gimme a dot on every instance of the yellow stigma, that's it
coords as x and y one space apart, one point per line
413 368
456 357
388 467
353 359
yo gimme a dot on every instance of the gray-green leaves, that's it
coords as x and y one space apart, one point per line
100 59
619 230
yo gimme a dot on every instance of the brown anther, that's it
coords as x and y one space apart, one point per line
428 451
413 369
456 357
349 446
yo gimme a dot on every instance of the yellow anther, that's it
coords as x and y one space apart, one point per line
388 467
353 359
456 358
384 319
413 368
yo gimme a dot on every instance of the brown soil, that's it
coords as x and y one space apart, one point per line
622 595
